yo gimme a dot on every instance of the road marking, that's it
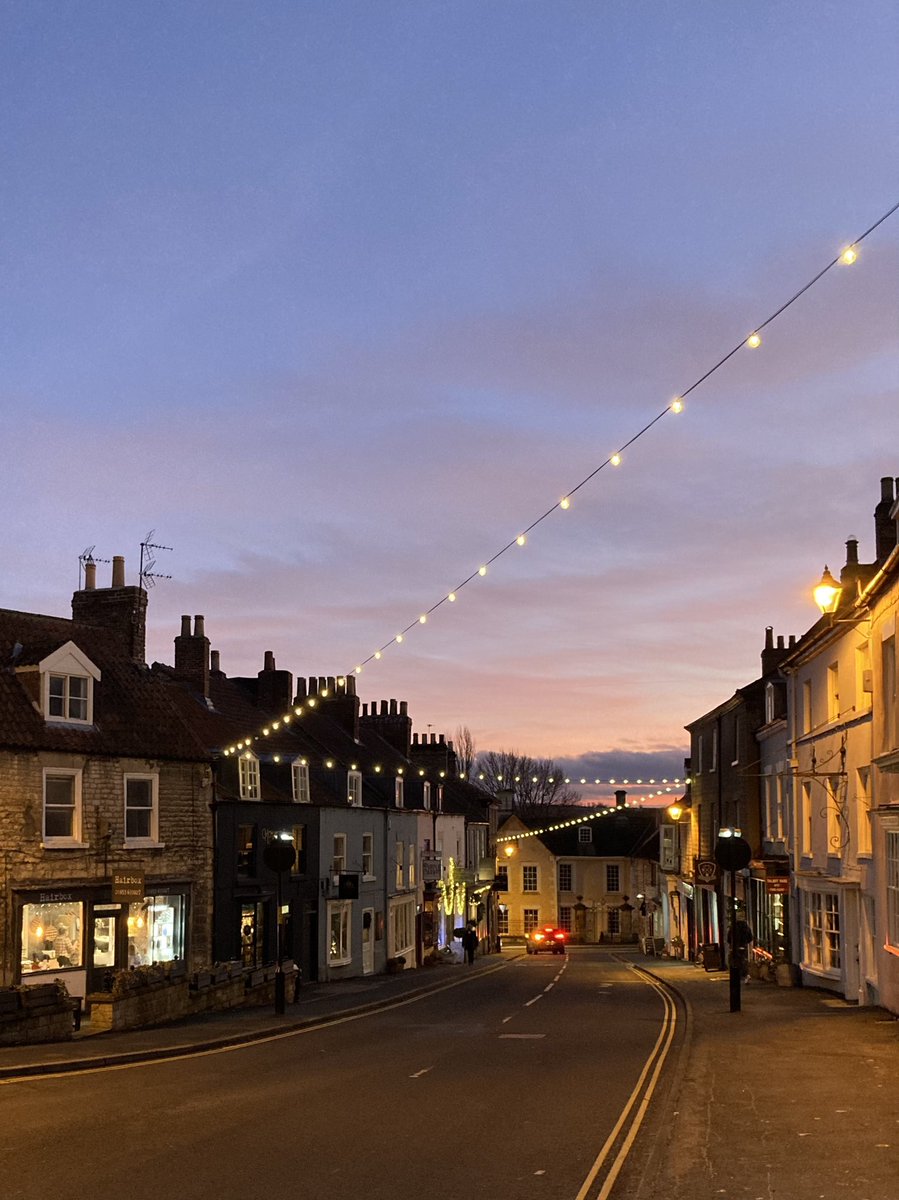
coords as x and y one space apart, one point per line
643 1091
549 987
507 1019
534 1001
523 1036
418 1074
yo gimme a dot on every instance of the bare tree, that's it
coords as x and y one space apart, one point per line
535 783
466 752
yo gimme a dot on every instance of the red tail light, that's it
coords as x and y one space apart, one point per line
559 936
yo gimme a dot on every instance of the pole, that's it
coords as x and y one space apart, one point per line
735 965
279 974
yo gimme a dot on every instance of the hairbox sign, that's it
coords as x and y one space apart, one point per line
127 886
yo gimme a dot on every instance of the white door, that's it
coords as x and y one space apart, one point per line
368 941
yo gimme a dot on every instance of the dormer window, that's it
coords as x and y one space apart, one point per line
249 777
398 792
584 835
67 686
354 789
427 795
301 794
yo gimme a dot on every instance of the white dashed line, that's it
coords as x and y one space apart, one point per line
418 1074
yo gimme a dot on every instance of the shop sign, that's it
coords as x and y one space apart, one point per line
127 886
431 868
706 870
56 898
777 885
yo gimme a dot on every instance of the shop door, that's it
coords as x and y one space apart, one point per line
252 934
103 949
368 941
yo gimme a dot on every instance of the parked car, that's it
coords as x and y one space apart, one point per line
548 938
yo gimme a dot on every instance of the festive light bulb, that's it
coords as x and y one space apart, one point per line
399 637
482 570
377 768
329 763
564 502
423 619
677 405
849 255
277 758
298 710
615 460
521 539
358 669
311 702
286 718
451 597
377 654
753 341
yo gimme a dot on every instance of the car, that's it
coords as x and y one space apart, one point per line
548 939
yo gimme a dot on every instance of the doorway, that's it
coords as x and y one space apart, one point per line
368 941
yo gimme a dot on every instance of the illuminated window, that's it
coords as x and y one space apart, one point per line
400 857
340 913
891 847
298 837
52 936
67 686
338 854
531 919
354 789
822 930
398 792
529 878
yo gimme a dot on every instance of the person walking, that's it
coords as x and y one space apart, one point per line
470 942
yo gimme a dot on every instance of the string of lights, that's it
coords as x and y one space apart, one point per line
846 257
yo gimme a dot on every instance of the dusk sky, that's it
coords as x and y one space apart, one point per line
339 297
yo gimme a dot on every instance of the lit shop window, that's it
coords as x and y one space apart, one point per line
155 930
339 915
52 936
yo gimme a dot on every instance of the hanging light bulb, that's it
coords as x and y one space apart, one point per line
849 255
615 460
399 637
422 620
677 405
377 654
451 597
482 570
521 539
564 502
754 341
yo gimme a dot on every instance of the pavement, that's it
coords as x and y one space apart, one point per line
796 1095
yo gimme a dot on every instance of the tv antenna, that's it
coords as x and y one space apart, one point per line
148 561
87 556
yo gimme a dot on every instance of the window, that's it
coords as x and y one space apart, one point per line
565 918
426 795
769 703
402 927
584 834
141 809
354 788
778 828
62 807
564 877
805 846
52 936
249 777
298 837
529 879
833 692
411 861
613 878
503 920
501 881
67 686
531 919
155 930
891 846
300 773
862 677
440 797
888 669
713 765
738 733
338 854
339 918
400 854
398 792
807 706
863 809
614 920
246 850
698 754
822 930
368 855
834 801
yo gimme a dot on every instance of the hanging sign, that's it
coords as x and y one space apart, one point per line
706 870
127 886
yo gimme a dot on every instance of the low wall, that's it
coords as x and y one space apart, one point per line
40 1013
162 1002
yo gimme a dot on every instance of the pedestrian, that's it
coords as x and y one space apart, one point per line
743 939
470 942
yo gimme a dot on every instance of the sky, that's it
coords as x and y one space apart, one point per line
338 298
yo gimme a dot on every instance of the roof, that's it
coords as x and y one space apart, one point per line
616 832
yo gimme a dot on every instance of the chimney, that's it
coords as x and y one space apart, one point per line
120 610
884 523
214 662
342 704
620 799
392 723
435 754
274 688
192 655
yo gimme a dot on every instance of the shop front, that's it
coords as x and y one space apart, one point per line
79 935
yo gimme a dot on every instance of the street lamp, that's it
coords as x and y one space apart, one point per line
279 856
827 593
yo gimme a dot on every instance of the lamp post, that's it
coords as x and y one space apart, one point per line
279 856
733 853
827 593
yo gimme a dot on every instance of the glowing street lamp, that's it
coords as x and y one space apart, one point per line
827 593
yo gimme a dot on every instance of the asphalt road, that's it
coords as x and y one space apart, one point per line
529 1081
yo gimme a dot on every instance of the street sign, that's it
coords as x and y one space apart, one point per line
777 885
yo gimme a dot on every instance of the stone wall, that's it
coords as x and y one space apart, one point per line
35 1014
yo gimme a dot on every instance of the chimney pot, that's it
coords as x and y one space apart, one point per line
780 641
393 708
185 626
199 627
620 798
769 634
886 489
404 708
90 576
118 571
269 661
852 552
214 663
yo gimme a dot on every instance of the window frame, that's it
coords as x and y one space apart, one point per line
399 798
248 776
299 778
343 911
613 872
151 838
67 663
338 854
568 868
584 835
354 789
891 862
530 879
368 856
74 838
